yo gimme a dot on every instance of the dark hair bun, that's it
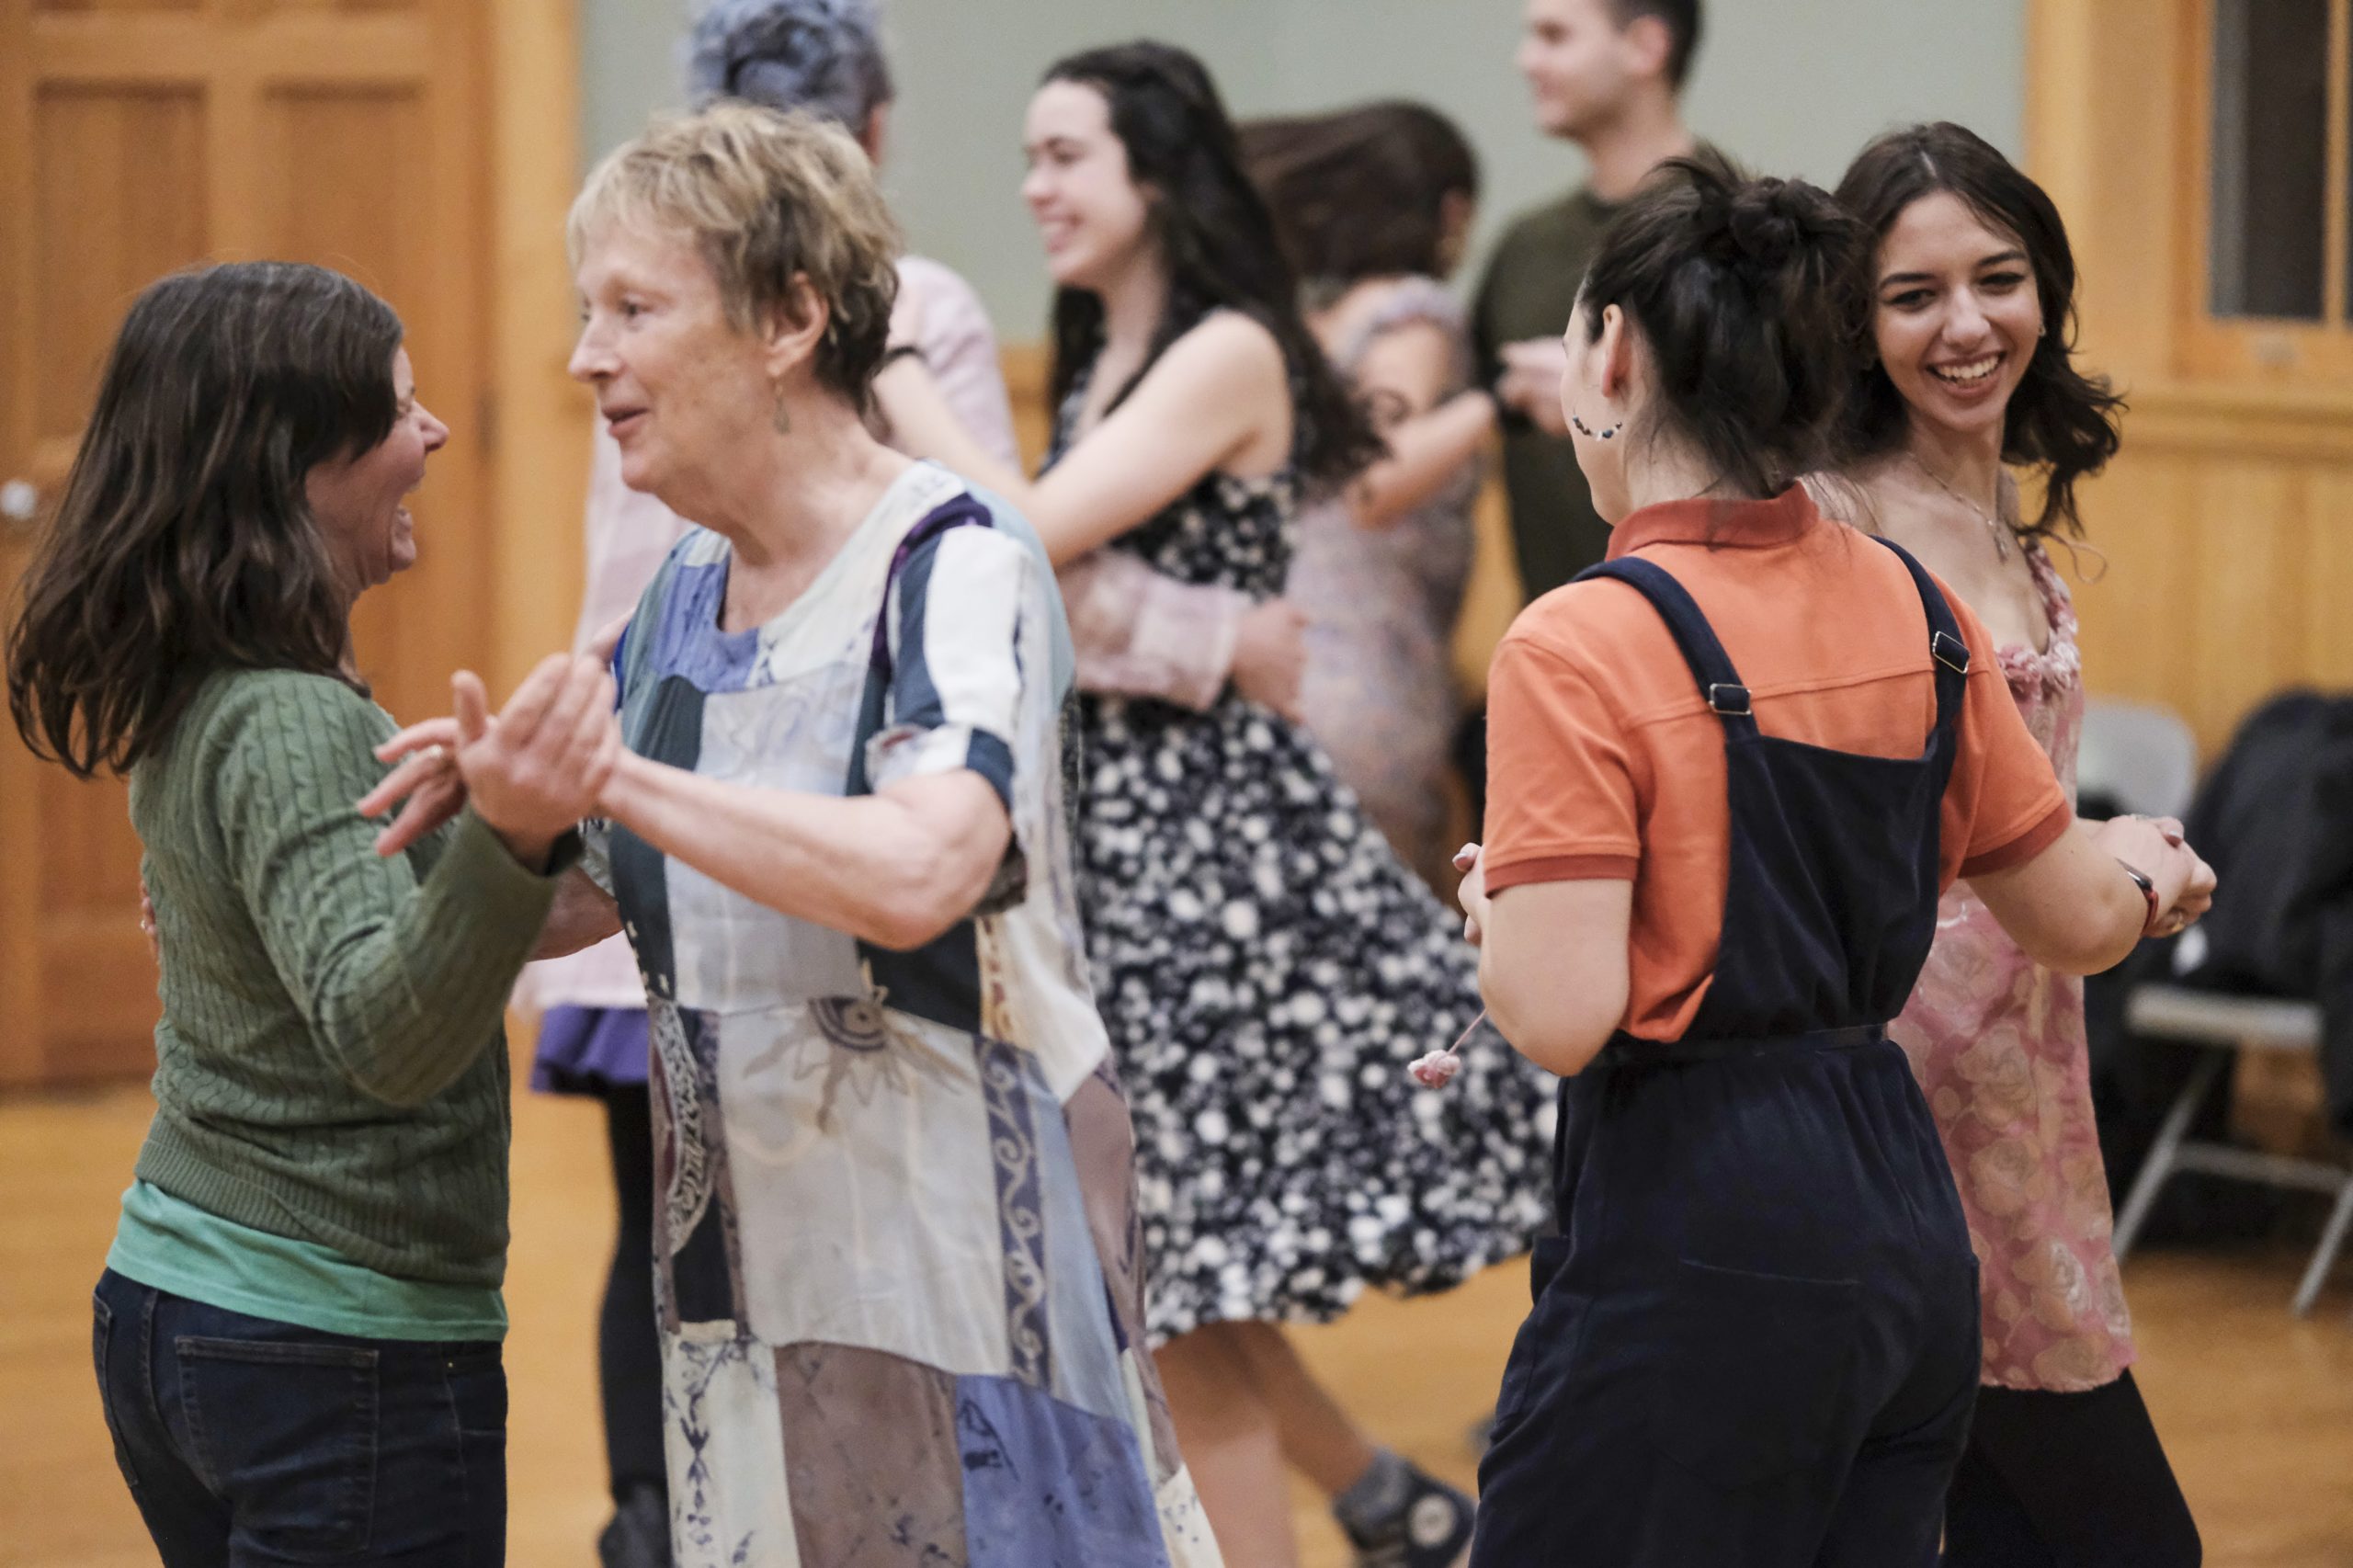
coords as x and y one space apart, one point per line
1759 226
1749 295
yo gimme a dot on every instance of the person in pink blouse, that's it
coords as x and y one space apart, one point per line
1972 286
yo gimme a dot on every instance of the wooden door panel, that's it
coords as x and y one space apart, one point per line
50 6
118 201
379 229
141 136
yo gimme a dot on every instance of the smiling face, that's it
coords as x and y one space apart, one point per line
359 499
1575 58
677 383
1090 214
1956 315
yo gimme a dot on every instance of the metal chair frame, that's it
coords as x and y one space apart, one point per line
2226 1026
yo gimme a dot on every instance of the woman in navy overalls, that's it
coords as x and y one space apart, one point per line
1709 881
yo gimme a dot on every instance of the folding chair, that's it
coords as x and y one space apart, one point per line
2224 1026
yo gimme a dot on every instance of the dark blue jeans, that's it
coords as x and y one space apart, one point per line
249 1443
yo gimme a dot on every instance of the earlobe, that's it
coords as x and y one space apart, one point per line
796 326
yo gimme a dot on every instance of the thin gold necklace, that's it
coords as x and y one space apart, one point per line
1993 524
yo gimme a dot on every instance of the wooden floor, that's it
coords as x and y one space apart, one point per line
2255 1407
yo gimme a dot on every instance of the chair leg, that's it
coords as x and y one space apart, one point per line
2159 1163
2332 1237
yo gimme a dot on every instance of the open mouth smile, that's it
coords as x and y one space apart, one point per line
1968 374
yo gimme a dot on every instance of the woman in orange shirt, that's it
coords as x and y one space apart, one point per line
1731 769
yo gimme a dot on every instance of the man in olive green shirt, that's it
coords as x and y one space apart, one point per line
1605 74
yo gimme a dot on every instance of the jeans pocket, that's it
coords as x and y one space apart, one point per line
285 1431
1751 1372
476 1374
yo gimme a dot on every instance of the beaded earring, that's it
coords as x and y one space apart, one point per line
1582 429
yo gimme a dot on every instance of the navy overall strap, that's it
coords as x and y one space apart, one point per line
1720 684
1945 647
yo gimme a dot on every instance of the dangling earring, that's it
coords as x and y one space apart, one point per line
779 417
1582 429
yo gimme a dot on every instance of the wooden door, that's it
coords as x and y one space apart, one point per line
138 136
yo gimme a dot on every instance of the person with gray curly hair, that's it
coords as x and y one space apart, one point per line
824 56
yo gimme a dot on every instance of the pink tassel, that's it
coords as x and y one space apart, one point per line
1436 1070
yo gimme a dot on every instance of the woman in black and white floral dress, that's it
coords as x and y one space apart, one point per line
1266 965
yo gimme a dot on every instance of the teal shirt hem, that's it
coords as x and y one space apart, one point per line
168 1244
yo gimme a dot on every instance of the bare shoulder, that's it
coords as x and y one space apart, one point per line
1876 500
1227 346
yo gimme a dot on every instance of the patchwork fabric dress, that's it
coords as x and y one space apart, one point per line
895 1227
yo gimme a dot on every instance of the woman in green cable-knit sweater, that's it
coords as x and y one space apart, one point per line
298 1333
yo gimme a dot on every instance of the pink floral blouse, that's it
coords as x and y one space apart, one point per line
1998 1044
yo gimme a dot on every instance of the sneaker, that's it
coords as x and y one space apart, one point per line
1432 1531
638 1535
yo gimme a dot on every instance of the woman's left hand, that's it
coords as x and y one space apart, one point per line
1470 860
427 779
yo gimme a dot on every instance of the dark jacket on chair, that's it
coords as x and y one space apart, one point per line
2275 819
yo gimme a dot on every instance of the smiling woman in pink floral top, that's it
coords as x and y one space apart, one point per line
1974 287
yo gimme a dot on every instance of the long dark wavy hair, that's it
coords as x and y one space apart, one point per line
1216 239
1361 192
1752 302
2059 420
183 544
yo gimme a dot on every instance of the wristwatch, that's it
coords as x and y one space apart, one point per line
2148 890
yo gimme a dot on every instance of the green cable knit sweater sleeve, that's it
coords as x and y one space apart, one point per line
402 980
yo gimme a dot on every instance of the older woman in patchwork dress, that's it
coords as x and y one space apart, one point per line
895 1218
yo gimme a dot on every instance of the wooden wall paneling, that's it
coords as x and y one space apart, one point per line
2227 519
21 992
2102 137
2135 574
539 437
2245 620
60 6
2326 581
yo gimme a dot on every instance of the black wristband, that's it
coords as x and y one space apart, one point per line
2148 890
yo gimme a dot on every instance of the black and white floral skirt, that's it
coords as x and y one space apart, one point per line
1267 969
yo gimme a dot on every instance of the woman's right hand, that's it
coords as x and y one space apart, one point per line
1270 655
2155 847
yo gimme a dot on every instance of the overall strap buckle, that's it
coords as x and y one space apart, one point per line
1951 651
1729 700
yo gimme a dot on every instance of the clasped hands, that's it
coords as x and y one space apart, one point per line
2155 847
532 771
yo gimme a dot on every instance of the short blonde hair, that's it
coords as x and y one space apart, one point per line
764 196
